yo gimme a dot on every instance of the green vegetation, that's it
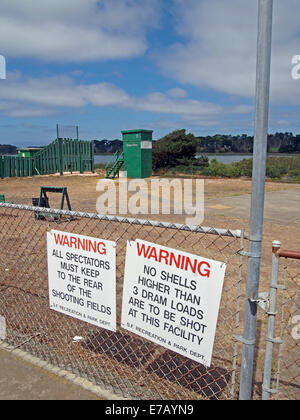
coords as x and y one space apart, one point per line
108 146
176 148
7 149
278 168
222 143
218 143
175 154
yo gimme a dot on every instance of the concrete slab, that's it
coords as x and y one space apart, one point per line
22 380
282 207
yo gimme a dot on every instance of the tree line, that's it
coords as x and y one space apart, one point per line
176 154
219 143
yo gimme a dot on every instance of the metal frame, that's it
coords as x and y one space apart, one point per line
62 155
263 69
43 202
229 322
272 312
61 190
233 233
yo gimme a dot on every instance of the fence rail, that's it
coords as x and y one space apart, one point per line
62 155
282 358
120 361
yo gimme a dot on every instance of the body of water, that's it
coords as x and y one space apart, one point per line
223 158
103 158
227 158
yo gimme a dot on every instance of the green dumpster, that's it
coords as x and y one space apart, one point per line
137 149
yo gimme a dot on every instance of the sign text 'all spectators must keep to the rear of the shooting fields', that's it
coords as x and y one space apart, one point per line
82 277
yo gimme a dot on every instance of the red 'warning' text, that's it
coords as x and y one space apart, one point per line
80 243
169 258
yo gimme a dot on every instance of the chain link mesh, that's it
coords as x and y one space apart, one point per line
120 361
286 357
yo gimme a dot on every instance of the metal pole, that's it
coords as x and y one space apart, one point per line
266 388
238 313
264 42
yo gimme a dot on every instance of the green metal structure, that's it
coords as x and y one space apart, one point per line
62 155
2 199
114 165
136 157
61 190
43 201
28 152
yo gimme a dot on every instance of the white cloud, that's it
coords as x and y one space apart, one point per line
15 110
283 122
218 49
177 93
76 30
22 97
160 102
61 91
19 112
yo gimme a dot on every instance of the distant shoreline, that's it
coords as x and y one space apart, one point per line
105 154
245 153
200 154
219 154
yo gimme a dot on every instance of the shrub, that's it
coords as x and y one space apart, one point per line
170 150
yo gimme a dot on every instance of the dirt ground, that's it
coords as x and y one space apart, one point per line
83 196
82 188
223 202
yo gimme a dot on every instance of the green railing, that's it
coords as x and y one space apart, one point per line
62 155
114 165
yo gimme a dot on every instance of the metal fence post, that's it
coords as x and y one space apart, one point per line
264 41
238 313
266 388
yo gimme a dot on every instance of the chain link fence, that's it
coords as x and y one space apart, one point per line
282 359
121 362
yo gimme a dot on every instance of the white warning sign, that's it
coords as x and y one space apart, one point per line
172 298
82 277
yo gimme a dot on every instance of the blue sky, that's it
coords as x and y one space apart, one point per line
112 65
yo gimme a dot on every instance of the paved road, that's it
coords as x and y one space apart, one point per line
21 380
282 207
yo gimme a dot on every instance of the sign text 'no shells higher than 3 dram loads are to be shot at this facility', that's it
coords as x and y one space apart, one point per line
172 298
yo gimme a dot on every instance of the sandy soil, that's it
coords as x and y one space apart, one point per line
83 196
